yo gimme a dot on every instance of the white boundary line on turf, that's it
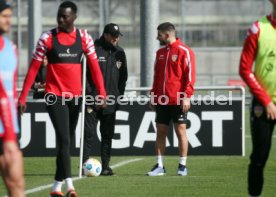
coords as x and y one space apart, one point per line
249 136
37 189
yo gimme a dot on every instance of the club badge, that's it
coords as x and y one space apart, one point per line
258 111
89 110
174 57
118 64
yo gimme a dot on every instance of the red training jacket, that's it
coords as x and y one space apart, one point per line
174 72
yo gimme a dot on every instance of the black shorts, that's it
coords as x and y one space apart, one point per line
166 113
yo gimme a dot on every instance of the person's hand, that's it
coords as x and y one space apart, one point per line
271 111
39 85
21 108
186 104
101 104
152 103
151 106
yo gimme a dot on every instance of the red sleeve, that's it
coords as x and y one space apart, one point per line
190 72
87 43
29 80
246 63
43 44
6 116
96 73
153 89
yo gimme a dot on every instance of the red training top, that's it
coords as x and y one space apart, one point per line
248 56
174 73
63 77
8 93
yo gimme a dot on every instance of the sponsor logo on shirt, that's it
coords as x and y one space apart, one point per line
101 59
161 57
181 118
67 54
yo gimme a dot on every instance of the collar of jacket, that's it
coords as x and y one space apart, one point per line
174 44
107 46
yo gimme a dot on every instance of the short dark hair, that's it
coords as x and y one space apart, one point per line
4 5
69 4
167 26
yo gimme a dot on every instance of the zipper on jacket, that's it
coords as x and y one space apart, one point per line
164 85
110 69
105 72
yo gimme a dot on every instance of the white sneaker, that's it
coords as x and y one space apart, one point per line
157 171
182 170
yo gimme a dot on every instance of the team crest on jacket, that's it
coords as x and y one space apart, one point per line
258 111
118 64
174 57
89 109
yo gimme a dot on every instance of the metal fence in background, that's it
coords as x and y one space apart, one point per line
215 29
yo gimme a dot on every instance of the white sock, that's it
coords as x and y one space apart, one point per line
69 184
57 185
182 160
160 161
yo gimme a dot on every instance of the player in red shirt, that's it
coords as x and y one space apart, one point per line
11 161
260 47
173 85
64 47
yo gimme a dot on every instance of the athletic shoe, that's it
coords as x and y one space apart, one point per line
182 170
71 193
107 172
157 171
56 194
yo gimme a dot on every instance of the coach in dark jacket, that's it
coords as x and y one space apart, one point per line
113 64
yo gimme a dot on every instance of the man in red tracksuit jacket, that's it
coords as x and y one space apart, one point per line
173 85
64 47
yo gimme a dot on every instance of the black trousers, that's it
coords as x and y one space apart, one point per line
107 127
90 131
261 131
64 117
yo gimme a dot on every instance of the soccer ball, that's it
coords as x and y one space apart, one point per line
92 167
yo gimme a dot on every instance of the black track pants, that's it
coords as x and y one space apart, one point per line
64 117
261 131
